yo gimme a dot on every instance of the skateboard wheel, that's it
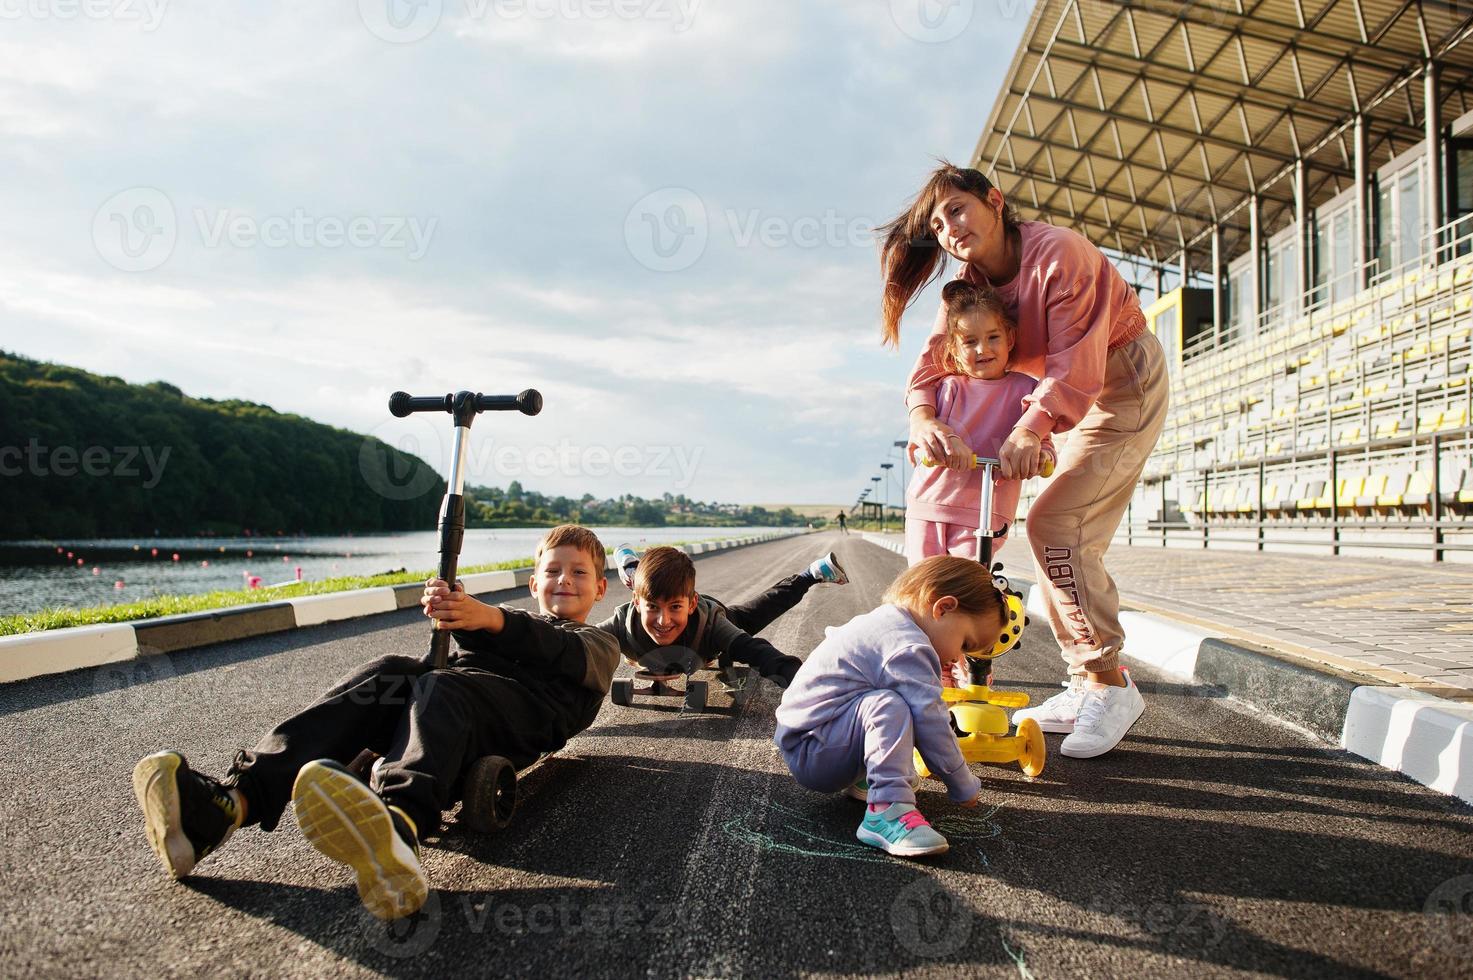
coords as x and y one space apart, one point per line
622 692
695 695
1032 758
490 794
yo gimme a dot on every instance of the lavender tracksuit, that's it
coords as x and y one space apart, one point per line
862 701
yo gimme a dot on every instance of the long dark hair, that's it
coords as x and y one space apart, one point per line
910 257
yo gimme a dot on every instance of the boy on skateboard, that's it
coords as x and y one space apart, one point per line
667 611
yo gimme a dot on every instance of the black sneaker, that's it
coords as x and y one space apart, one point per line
186 815
347 821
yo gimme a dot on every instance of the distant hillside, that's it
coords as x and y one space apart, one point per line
86 455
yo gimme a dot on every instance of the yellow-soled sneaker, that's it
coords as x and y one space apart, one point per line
186 815
345 820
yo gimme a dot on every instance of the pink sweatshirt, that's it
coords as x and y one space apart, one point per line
1072 308
982 413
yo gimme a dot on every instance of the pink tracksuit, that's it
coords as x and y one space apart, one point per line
941 505
1103 380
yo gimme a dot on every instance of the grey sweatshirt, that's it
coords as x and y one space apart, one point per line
879 650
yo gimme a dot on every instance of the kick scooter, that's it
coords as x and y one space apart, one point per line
489 794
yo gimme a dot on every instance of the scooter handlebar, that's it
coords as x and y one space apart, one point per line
528 402
1046 470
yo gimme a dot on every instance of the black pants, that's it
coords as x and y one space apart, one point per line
756 615
428 724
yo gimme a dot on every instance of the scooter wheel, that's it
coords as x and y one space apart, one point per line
1033 755
695 695
622 692
490 794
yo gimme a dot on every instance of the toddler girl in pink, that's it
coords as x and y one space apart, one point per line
982 401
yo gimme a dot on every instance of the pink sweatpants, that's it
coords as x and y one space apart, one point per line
926 538
1074 519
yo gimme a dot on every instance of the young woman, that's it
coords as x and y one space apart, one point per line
1102 378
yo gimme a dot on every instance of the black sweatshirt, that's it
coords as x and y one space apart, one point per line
708 632
565 664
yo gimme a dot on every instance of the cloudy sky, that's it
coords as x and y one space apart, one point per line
657 212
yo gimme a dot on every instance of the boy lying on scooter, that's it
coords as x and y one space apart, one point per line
521 685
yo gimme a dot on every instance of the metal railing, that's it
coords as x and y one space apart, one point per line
1306 311
1442 506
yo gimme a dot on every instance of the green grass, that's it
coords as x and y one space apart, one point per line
172 605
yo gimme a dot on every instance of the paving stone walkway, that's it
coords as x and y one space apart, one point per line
1399 622
1382 616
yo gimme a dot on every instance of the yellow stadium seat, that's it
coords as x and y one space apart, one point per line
1464 274
1312 498
1392 490
1350 489
1348 436
1453 420
1372 488
1419 489
1429 421
1387 428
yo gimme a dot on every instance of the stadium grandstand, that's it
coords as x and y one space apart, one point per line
1289 186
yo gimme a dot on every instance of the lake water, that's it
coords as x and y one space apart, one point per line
35 575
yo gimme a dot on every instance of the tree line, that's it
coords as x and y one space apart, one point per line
516 506
85 455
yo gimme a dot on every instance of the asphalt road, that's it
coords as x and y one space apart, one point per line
1212 843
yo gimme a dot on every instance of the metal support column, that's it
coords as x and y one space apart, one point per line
1255 247
1433 148
1302 238
1364 239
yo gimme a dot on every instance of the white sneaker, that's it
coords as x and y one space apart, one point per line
626 560
1057 714
1105 715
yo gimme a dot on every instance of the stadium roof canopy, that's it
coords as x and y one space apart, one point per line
1143 124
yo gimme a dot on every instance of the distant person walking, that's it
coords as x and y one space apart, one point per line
843 524
1102 378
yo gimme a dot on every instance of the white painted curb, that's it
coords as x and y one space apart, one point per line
489 582
1426 737
890 542
21 656
313 610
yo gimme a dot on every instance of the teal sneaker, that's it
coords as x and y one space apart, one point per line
626 560
828 569
900 829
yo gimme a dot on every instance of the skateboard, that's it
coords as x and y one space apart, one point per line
667 672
